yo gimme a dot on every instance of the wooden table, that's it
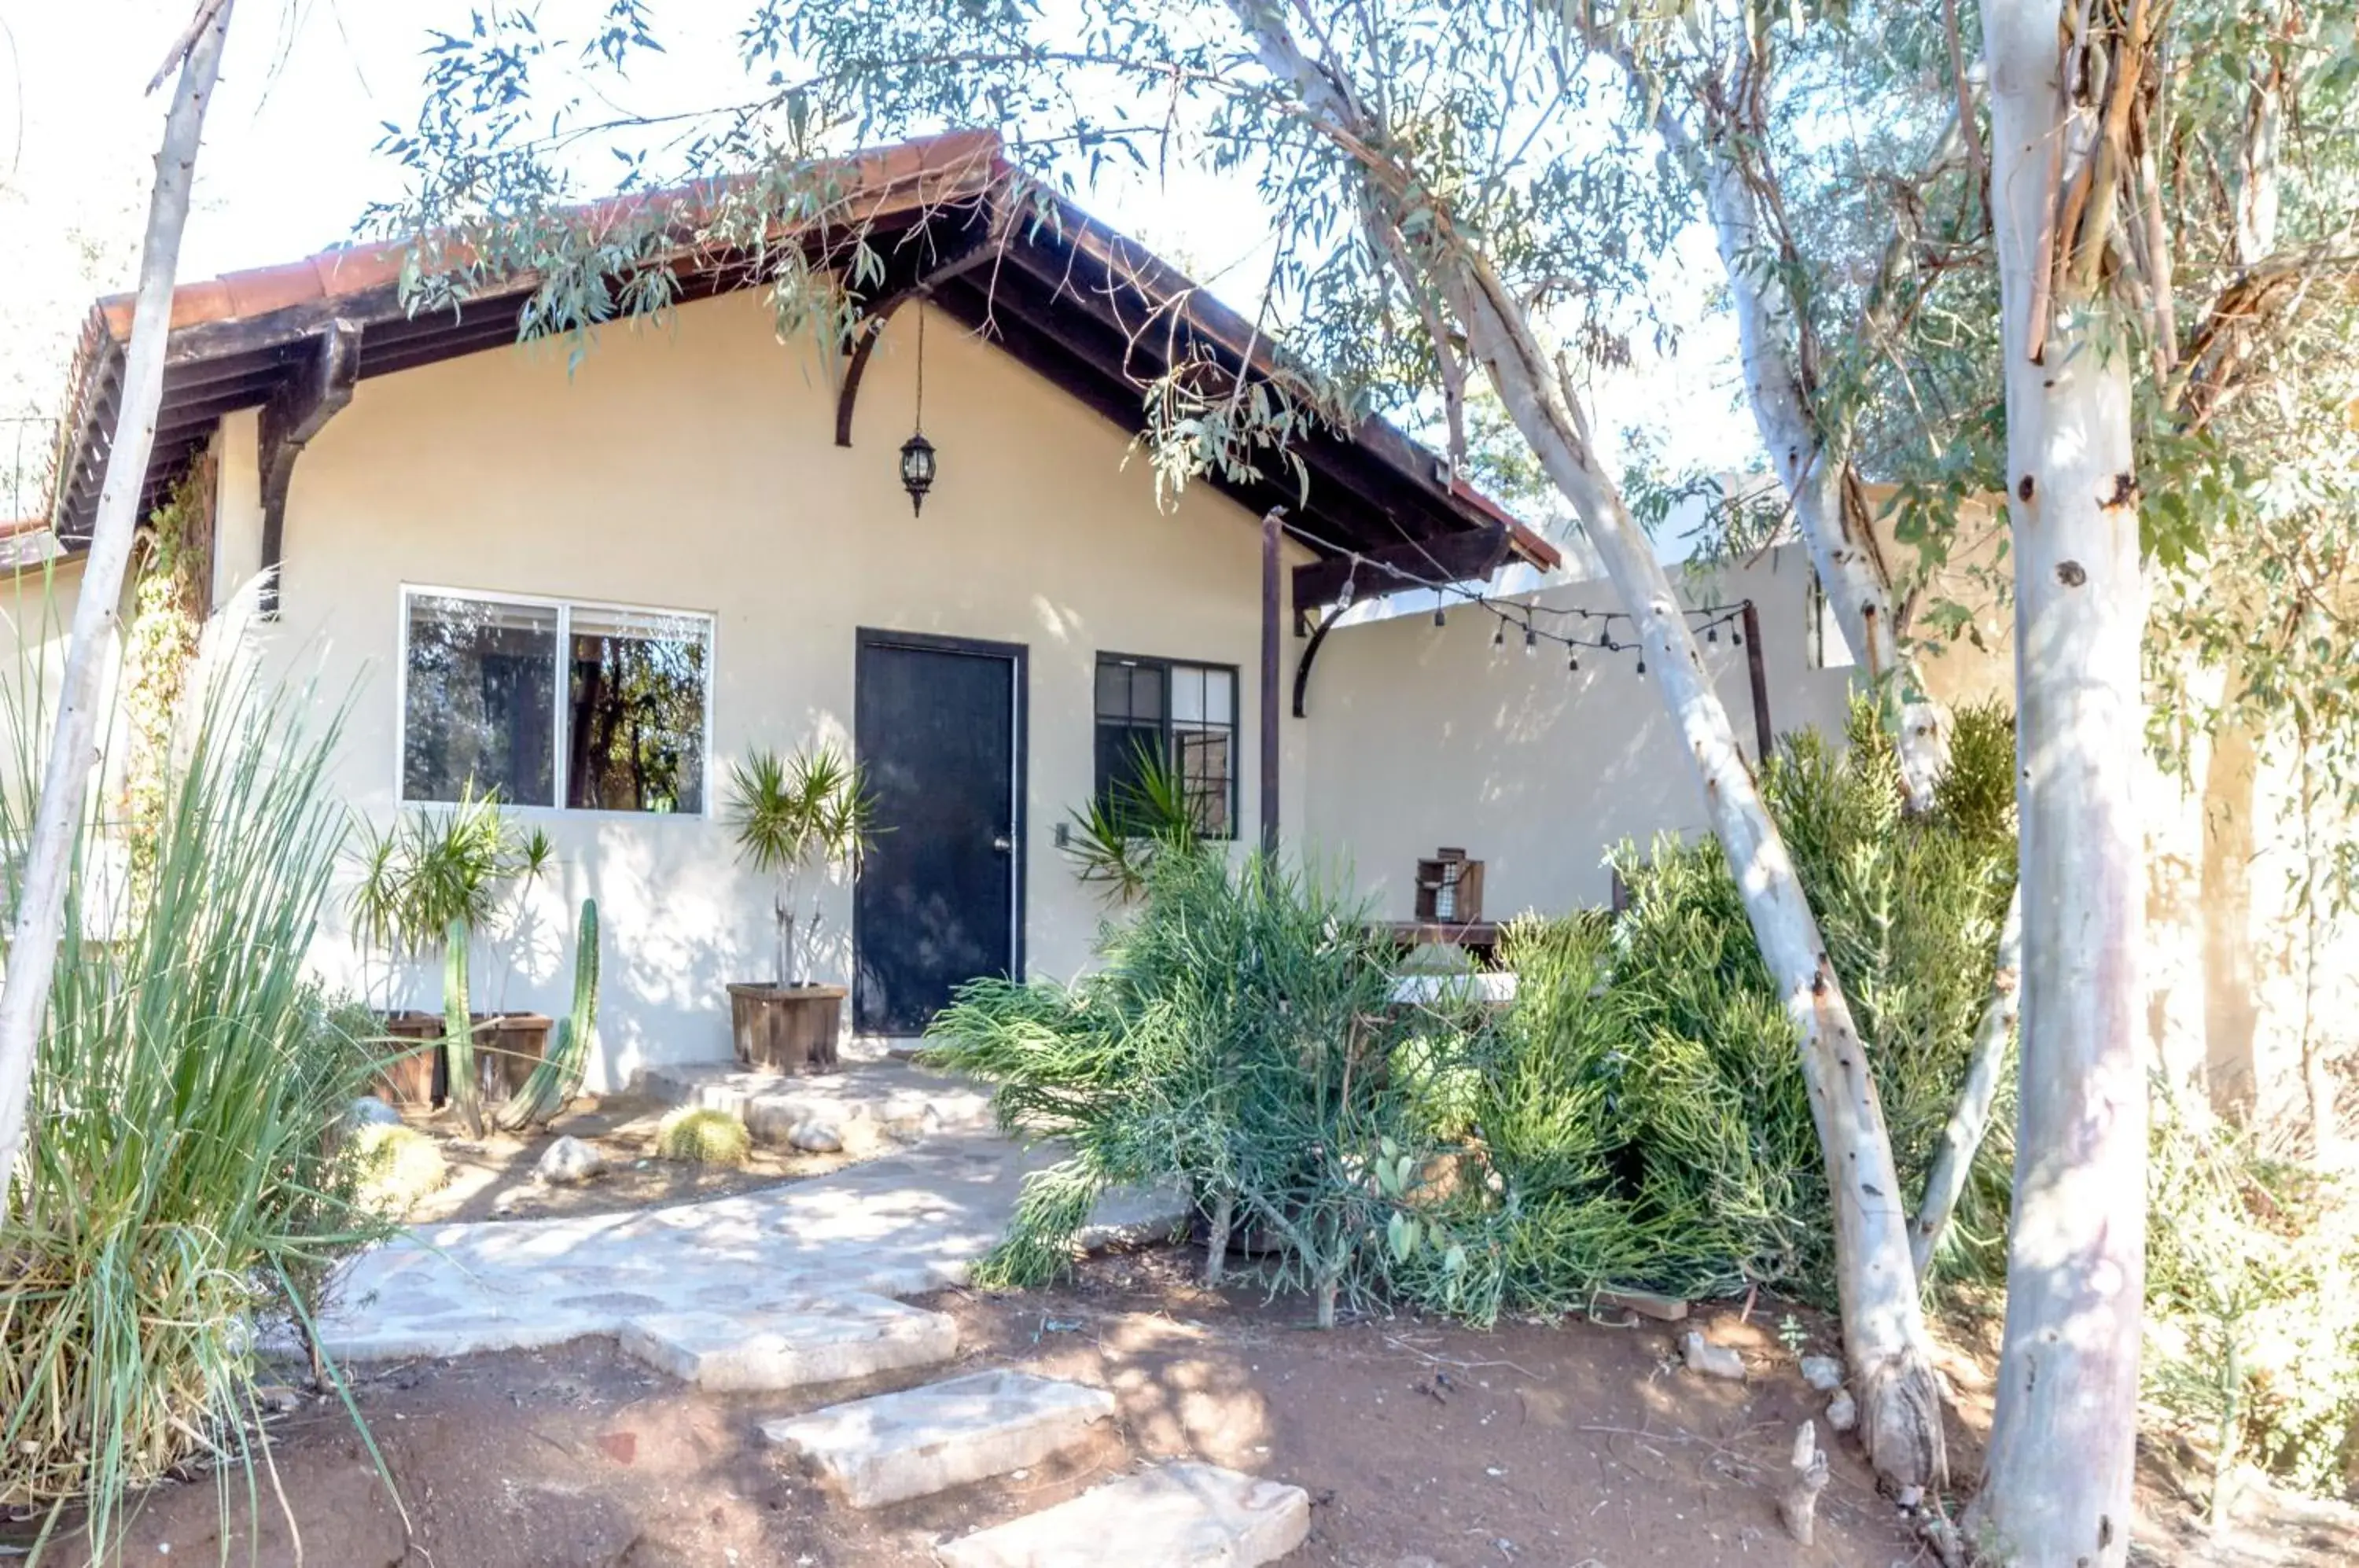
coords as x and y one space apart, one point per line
1479 938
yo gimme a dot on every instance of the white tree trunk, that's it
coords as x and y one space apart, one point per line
1884 1327
33 942
1962 1137
2057 1484
1810 463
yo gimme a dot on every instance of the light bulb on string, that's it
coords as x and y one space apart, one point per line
1531 642
1499 634
1572 658
1350 587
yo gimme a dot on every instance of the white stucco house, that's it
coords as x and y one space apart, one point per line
594 586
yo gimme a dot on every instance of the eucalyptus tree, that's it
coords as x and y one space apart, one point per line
193 63
1442 218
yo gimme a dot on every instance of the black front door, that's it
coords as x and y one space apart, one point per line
938 724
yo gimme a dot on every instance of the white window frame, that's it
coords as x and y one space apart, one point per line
563 705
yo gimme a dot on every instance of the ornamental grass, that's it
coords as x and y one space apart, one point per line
176 1197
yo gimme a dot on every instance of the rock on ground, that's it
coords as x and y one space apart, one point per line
816 1137
1823 1372
1710 1360
369 1111
566 1161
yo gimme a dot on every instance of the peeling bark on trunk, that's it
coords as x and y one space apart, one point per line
1962 1138
74 742
2057 1482
1883 1328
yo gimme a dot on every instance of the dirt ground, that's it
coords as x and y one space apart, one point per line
491 1177
1421 1445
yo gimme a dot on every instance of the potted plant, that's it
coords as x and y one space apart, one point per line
792 817
440 877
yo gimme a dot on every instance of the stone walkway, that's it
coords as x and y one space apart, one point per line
899 1225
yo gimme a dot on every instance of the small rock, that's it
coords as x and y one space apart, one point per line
911 1127
816 1137
1712 1360
1843 1411
369 1111
566 1161
1823 1372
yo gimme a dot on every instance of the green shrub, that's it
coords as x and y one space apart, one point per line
1236 1039
701 1136
178 1183
2252 1341
392 1168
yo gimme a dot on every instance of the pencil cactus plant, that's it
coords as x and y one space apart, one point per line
556 1077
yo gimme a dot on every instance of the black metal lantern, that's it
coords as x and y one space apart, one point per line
917 452
917 470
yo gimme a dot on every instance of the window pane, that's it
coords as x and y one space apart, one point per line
1204 771
634 719
1220 696
481 699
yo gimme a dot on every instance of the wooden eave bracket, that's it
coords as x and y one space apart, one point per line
300 409
872 324
1452 558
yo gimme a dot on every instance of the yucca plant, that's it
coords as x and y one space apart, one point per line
791 816
443 874
177 1186
1112 841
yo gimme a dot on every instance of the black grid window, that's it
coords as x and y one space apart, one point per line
1183 714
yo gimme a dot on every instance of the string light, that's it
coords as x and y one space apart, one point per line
1393 578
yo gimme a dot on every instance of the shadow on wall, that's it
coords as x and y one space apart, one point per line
1423 736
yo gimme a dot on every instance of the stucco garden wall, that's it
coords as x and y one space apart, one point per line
1423 736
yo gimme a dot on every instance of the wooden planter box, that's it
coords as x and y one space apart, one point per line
786 1029
417 1076
508 1047
507 1052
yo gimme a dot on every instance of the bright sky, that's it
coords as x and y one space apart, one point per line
288 169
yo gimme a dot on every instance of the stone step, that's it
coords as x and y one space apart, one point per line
893 1098
829 1340
897 1446
1177 1516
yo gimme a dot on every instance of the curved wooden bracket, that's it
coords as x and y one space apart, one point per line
1309 654
872 326
301 408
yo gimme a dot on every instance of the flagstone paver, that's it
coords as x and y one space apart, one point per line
831 1340
899 1225
1177 1516
892 1447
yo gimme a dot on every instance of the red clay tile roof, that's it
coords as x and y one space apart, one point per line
235 338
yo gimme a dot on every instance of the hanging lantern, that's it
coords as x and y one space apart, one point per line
917 453
917 470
